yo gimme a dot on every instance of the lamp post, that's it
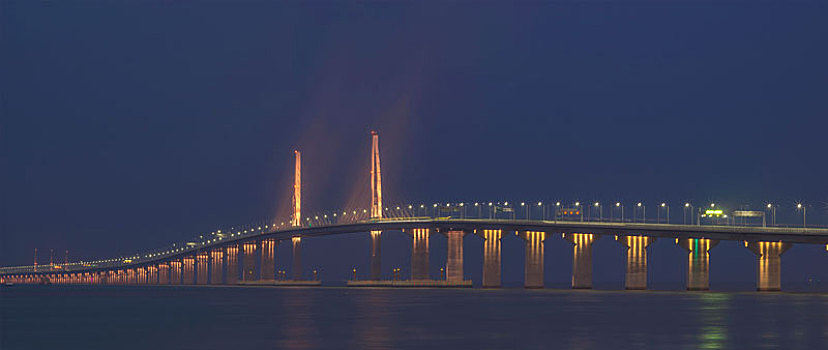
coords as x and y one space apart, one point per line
543 212
800 206
772 208
600 212
667 209
523 204
619 205
557 207
644 212
687 206
580 210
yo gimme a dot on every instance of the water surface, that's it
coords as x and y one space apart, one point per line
178 317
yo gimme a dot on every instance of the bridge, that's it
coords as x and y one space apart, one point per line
247 256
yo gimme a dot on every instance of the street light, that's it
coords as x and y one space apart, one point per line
619 205
687 206
543 211
772 208
600 212
644 212
667 208
580 210
803 208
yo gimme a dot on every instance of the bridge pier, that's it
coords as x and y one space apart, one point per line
152 274
175 272
581 258
131 276
141 275
216 265
419 254
533 275
249 261
201 267
297 258
268 263
491 257
163 273
232 263
769 264
698 261
636 275
188 274
454 257
376 255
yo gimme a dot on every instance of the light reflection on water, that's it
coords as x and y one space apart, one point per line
311 318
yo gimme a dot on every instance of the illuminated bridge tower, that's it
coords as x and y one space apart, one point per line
769 264
581 259
297 216
636 276
698 261
376 207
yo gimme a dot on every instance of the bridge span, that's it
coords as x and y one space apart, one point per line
250 259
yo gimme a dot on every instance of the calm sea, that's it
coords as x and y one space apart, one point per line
173 317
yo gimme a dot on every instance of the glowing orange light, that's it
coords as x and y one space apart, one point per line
297 190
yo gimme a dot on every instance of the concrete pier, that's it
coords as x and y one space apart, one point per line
636 275
141 275
175 272
216 265
419 254
249 261
131 277
454 257
164 273
188 270
152 274
769 264
376 255
533 276
297 258
581 259
202 260
268 263
491 257
231 259
698 261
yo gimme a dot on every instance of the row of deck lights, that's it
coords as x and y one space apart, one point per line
638 206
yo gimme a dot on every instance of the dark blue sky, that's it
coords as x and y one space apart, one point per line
134 124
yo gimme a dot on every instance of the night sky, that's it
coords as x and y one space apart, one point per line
130 125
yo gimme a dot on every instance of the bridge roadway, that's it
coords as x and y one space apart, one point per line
767 242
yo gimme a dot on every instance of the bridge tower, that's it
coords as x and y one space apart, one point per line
376 207
297 190
297 216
